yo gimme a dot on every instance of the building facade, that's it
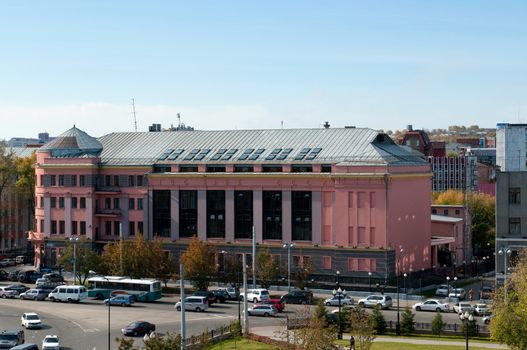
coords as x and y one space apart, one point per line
340 195
511 147
454 173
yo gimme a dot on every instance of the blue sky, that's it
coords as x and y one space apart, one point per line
258 64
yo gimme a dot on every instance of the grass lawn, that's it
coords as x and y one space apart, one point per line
244 344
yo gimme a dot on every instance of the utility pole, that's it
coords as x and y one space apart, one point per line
245 308
182 294
254 258
133 112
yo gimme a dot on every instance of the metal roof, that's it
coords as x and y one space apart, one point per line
22 152
442 218
73 142
326 146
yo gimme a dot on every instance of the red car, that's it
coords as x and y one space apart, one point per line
277 303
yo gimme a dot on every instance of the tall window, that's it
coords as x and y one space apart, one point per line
140 227
82 202
82 180
139 203
131 181
83 227
53 180
301 215
514 195
116 228
74 227
243 214
53 227
108 228
116 203
216 214
514 226
61 180
107 203
74 180
272 214
131 203
62 227
53 202
188 213
131 228
161 209
61 202
74 202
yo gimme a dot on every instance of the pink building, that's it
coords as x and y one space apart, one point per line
347 198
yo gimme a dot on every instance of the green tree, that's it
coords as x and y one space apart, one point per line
302 274
87 259
378 320
407 322
198 262
472 327
138 259
438 325
312 334
320 311
361 328
7 168
508 325
266 268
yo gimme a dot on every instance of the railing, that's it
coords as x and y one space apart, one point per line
212 336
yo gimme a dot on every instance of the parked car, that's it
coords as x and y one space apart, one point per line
26 346
220 296
30 276
209 295
431 305
11 338
458 293
19 288
7 293
298 297
69 294
234 292
486 319
462 307
194 303
34 294
53 277
51 342
443 290
384 301
121 300
481 309
13 275
334 300
256 295
3 275
262 310
20 259
486 293
138 328
30 320
7 262
277 303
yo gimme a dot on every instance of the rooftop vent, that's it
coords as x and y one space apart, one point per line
326 125
154 128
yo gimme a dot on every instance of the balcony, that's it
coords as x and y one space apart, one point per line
113 213
107 190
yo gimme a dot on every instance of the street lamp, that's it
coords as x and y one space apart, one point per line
91 272
369 281
74 240
505 252
405 291
466 318
289 246
397 261
339 293
448 287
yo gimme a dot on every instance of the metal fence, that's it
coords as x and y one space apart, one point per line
208 337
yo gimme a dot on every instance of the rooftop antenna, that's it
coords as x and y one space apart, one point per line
179 121
282 124
133 112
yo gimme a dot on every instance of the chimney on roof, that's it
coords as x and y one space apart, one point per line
410 127
326 125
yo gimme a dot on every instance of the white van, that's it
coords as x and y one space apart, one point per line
68 293
194 303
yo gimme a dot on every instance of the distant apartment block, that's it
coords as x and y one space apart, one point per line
511 150
454 173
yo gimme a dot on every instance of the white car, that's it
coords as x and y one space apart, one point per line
486 319
194 303
482 309
334 301
463 307
458 293
431 305
443 290
256 295
383 301
262 310
30 320
51 342
7 293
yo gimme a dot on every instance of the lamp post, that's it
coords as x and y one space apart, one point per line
237 285
91 272
339 293
74 240
397 261
369 281
421 280
289 246
466 318
505 252
448 287
410 279
404 287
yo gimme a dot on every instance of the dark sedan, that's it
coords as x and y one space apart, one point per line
20 288
137 328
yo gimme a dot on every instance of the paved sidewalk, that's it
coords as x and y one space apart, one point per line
273 333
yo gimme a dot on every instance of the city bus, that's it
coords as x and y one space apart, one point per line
102 287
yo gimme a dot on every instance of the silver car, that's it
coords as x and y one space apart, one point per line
383 301
334 301
262 310
7 293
